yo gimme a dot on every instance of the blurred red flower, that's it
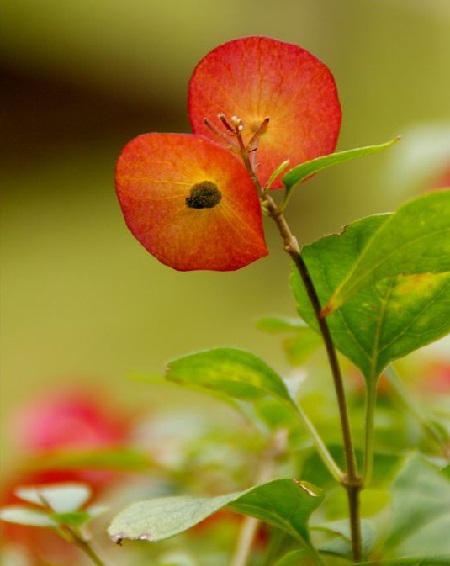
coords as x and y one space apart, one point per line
61 421
69 419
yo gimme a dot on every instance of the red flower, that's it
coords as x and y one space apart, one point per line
256 78
193 204
190 203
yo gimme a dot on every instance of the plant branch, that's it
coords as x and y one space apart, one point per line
73 535
85 547
369 431
351 480
321 448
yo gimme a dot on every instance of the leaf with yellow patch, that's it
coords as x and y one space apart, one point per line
416 239
387 319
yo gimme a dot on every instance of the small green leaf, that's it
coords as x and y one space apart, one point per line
61 498
387 320
300 347
298 174
415 240
26 516
286 504
234 372
70 518
279 324
302 342
420 520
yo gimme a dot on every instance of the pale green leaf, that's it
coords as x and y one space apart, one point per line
279 324
60 498
286 504
26 516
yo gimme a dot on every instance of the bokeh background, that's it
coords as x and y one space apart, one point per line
82 302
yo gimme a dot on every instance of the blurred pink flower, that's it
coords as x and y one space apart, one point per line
69 419
66 420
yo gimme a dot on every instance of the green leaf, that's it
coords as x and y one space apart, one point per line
285 504
387 320
414 240
300 347
279 324
234 372
61 498
420 521
298 174
78 518
297 347
71 518
26 516
440 560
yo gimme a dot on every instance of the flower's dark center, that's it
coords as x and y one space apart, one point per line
204 195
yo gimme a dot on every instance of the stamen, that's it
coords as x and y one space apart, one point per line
217 132
225 123
237 123
252 144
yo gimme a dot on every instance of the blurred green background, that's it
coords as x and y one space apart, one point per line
82 302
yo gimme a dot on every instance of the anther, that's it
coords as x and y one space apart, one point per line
205 194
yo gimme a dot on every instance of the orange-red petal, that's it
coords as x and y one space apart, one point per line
259 77
154 176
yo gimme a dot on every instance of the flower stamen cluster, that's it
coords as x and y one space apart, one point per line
235 127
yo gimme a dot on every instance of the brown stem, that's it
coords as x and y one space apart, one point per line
351 480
